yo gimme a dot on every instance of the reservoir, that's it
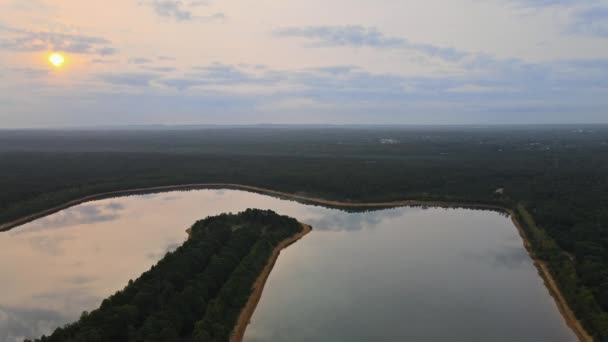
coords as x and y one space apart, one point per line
401 274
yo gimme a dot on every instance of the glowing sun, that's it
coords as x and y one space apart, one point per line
57 60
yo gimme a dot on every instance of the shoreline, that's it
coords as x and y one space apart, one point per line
571 321
200 186
238 332
562 305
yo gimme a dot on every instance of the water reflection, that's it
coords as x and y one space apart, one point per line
414 274
335 220
170 247
16 324
389 274
511 257
147 196
51 245
79 215
73 298
115 206
23 321
80 280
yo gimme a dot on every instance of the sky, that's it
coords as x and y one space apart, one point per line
177 62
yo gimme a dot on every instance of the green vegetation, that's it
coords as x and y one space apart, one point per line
556 174
563 268
193 294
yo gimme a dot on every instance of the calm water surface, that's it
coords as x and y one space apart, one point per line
406 274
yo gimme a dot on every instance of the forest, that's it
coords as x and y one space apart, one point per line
554 177
195 293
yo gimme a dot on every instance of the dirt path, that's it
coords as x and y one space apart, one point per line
544 272
258 287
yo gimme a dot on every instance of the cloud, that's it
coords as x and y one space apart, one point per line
32 6
591 21
585 17
106 51
31 72
485 90
474 88
199 3
170 8
218 74
546 3
323 36
79 215
360 36
139 60
133 79
182 10
103 61
449 54
498 81
32 41
337 69
161 69
183 83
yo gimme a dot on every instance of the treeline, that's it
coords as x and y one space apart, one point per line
195 293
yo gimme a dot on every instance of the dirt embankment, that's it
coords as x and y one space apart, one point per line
258 287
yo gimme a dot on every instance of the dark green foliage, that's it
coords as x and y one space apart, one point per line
559 174
575 289
193 294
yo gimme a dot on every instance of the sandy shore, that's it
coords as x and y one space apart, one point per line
543 270
258 287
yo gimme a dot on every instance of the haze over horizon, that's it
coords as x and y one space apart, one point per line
188 62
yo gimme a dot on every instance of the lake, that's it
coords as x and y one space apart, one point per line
403 274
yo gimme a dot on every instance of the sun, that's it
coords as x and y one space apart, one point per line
57 60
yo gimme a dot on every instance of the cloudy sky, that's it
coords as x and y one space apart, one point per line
303 61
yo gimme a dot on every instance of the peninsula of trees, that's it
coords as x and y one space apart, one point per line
195 293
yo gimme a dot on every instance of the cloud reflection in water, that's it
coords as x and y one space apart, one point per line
18 323
338 221
78 215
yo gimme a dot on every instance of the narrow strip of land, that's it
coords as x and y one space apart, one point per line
543 270
258 287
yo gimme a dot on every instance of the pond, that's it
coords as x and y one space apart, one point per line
402 274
